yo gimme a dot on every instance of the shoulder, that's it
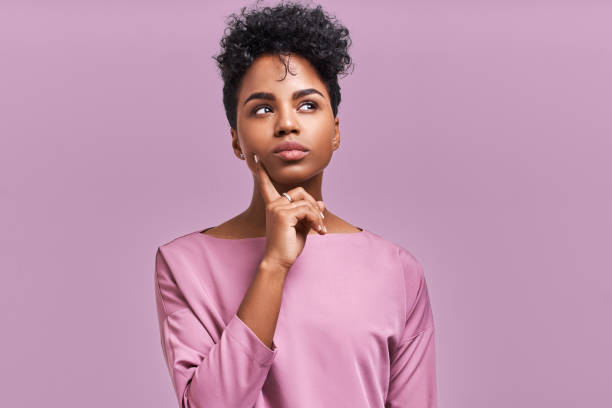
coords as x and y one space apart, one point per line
404 259
176 251
176 271
417 303
178 241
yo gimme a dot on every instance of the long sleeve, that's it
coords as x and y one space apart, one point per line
205 373
413 381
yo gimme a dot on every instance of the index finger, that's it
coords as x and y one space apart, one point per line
268 191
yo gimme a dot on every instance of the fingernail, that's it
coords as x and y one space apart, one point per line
325 229
255 158
322 216
319 228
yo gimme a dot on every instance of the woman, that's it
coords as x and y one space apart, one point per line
287 304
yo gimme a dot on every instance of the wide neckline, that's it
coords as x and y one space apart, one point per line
360 233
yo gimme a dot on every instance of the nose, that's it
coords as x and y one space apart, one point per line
286 122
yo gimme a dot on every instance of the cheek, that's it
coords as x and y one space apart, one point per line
324 145
327 136
253 135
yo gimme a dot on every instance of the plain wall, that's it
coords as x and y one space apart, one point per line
477 135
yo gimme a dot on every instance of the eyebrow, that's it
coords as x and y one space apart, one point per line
269 96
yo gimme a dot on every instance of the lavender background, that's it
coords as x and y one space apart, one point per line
478 135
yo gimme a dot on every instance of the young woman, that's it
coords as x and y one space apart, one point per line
287 304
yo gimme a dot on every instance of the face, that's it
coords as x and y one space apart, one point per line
271 109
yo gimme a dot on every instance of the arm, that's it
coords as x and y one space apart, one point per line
231 371
261 304
413 380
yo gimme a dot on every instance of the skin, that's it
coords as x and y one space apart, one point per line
262 124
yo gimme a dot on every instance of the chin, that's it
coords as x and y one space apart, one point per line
291 179
291 173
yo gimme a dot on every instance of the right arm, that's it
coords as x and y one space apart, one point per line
231 370
287 225
261 304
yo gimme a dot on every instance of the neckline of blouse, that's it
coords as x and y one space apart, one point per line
316 236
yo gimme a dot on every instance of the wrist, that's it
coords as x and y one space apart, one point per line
273 268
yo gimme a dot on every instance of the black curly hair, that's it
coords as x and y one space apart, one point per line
288 27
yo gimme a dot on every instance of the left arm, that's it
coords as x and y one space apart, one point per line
413 381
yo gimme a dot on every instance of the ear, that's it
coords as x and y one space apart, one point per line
236 143
336 135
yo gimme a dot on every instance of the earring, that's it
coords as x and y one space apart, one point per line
242 156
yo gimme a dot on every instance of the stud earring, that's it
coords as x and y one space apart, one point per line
242 156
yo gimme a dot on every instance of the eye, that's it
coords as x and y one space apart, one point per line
260 107
314 105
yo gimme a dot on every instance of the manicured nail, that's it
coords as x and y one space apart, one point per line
322 216
255 158
325 229
319 227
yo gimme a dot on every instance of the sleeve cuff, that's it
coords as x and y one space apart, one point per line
248 340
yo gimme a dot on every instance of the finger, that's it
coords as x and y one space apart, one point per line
303 212
315 207
268 191
305 215
321 206
300 193
286 204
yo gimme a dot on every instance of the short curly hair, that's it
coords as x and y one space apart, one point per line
288 27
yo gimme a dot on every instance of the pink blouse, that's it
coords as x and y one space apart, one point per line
355 328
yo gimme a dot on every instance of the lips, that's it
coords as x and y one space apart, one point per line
291 155
290 145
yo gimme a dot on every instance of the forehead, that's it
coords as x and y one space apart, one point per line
267 74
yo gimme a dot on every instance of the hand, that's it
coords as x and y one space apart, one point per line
287 223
